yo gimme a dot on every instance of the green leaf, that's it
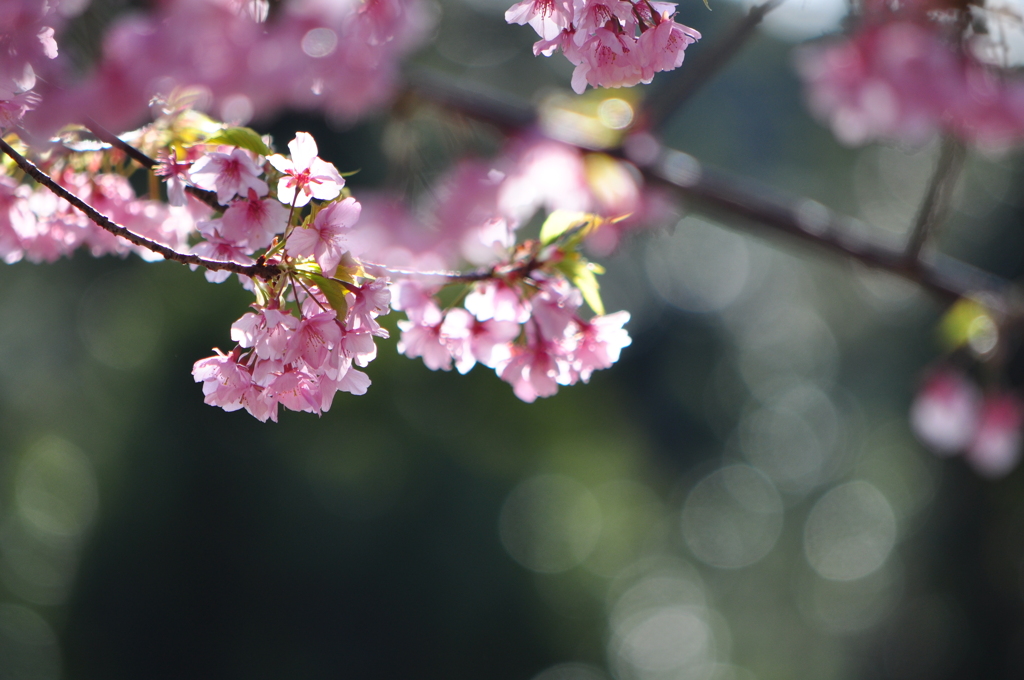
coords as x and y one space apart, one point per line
559 222
586 280
243 138
334 292
583 275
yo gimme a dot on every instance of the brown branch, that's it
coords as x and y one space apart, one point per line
105 135
937 199
720 193
678 87
263 271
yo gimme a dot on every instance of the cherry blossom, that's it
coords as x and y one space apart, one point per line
253 222
326 239
996 447
305 175
175 174
613 43
602 340
945 413
547 17
229 174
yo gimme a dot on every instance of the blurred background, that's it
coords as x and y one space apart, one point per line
739 498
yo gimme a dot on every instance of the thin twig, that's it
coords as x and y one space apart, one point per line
760 206
105 135
936 202
717 192
263 271
678 87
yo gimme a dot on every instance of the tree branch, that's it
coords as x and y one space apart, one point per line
936 202
678 87
105 135
263 271
719 193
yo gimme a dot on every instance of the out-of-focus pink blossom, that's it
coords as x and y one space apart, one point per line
471 341
944 414
996 447
497 300
175 173
229 174
902 80
534 370
335 57
423 338
601 341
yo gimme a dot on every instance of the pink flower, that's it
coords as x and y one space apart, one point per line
554 309
945 413
13 109
422 338
297 390
313 339
410 297
595 14
661 49
608 60
305 175
354 382
224 380
368 302
254 222
470 341
533 371
268 332
996 446
175 174
601 341
326 239
219 249
497 300
547 17
229 174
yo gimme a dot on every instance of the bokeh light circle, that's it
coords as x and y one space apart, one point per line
732 518
550 523
850 532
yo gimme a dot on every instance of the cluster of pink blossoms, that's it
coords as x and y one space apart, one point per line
952 416
526 328
315 320
297 362
27 47
37 226
908 73
244 61
521 308
613 43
